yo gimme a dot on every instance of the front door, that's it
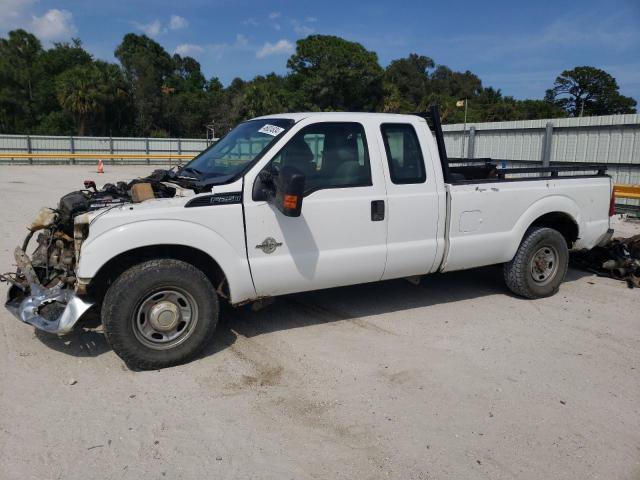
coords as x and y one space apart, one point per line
340 236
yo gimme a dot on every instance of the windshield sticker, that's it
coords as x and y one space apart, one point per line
272 130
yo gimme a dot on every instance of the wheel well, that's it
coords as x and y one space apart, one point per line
560 221
118 264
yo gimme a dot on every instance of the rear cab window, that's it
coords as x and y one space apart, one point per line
404 155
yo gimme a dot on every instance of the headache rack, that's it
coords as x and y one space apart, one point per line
484 170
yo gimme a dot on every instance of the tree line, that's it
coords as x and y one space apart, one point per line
63 90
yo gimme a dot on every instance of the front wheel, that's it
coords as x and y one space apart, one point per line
159 313
540 264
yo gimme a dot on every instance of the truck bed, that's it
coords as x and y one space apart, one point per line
488 217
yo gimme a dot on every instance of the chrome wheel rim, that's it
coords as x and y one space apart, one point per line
544 265
165 318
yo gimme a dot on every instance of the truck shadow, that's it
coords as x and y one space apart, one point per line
318 307
353 302
84 341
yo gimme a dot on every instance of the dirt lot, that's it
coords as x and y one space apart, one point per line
451 379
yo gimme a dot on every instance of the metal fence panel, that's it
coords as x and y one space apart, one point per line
613 139
91 144
607 139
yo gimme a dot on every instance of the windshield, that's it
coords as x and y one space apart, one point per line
236 150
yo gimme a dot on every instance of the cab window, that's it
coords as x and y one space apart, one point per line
404 154
331 155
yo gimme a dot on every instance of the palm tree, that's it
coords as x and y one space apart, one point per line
79 92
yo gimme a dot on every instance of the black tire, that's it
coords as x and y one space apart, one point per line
141 299
540 264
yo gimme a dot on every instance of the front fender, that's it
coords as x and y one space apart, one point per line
97 251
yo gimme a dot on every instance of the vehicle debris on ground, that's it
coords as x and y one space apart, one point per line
619 258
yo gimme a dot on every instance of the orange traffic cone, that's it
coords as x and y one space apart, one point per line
100 166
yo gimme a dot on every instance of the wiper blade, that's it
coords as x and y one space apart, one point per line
191 169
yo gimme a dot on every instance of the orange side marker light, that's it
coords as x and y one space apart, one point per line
290 201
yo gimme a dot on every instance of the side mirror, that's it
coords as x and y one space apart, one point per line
289 189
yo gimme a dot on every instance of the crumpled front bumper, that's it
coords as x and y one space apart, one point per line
28 301
26 308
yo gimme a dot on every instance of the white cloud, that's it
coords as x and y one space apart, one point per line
152 29
563 32
155 28
13 12
54 25
281 47
218 50
176 22
241 41
310 19
274 15
251 22
188 49
303 30
300 28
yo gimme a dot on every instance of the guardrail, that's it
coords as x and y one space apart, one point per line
99 156
622 190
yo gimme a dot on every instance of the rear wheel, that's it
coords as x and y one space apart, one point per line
540 264
159 313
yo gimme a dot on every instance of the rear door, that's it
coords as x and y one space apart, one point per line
340 236
415 197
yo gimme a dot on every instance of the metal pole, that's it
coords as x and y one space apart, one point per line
111 147
464 129
546 153
546 147
472 143
72 147
29 149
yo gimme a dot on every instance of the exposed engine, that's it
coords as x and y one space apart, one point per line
59 235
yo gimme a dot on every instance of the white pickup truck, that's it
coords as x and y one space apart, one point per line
289 203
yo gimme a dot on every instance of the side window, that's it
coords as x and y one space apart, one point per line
404 154
331 155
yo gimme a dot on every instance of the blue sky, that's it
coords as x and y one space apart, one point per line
518 47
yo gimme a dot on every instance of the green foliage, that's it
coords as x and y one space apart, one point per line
407 83
64 90
94 95
331 73
147 66
56 123
589 91
79 94
19 74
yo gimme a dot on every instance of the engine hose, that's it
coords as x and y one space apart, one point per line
26 241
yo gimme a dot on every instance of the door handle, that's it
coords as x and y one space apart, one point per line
377 210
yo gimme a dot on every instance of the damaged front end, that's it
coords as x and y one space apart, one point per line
55 310
44 290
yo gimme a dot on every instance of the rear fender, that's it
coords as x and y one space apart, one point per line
551 204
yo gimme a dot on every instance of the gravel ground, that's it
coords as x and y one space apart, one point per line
451 379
